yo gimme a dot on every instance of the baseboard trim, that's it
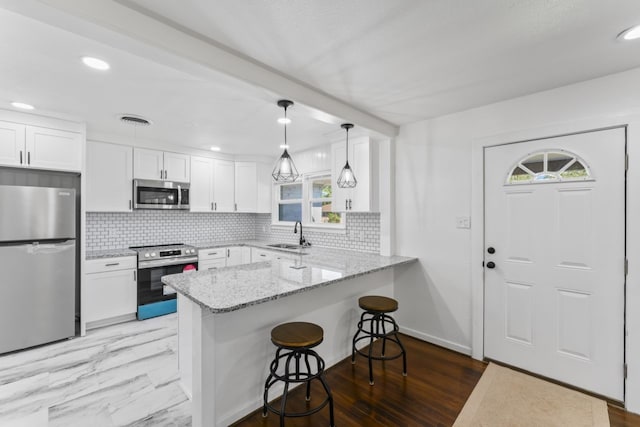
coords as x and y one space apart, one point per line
437 341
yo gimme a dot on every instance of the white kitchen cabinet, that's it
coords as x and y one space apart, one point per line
109 177
224 186
53 149
253 187
12 139
160 165
237 255
201 187
110 291
246 186
221 257
258 255
39 147
362 198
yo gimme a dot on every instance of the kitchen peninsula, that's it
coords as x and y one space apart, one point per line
225 316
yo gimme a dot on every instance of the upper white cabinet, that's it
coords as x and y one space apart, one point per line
201 188
224 186
227 186
12 140
246 179
160 165
362 153
109 177
39 147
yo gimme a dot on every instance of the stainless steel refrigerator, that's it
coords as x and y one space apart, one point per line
37 265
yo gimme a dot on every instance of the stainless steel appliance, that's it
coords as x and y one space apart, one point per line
154 298
150 194
38 264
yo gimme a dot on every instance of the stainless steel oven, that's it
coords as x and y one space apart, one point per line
154 262
151 194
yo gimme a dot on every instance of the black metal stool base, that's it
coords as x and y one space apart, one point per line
380 326
294 373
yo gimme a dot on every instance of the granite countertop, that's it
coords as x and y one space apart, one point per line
110 253
232 288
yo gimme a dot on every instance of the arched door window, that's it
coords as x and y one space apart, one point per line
548 167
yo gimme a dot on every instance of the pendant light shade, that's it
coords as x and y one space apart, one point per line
347 178
285 170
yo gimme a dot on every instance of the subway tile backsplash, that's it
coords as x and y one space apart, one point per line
147 227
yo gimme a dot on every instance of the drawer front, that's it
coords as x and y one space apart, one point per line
111 264
213 253
212 264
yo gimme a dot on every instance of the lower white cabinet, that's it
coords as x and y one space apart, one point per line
110 291
209 259
258 255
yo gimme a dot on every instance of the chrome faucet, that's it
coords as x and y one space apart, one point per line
303 241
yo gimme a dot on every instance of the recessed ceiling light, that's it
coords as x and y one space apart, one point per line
630 33
214 148
95 63
284 120
283 146
23 106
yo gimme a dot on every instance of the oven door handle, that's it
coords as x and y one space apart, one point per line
166 262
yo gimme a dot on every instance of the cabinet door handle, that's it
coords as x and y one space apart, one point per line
350 207
135 278
129 204
20 156
346 204
165 174
263 255
212 253
235 206
215 206
112 264
28 157
161 173
211 205
228 253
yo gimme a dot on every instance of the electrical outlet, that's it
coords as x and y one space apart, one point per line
463 222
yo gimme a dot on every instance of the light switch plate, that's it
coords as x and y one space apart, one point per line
463 222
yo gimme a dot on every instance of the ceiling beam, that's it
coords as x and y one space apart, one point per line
122 27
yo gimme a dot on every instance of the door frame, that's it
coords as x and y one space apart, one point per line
632 234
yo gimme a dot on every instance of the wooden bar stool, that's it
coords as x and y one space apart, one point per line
375 322
294 341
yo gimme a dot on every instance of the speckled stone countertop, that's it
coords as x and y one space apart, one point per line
109 253
232 288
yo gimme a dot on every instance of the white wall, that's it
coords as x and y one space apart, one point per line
435 184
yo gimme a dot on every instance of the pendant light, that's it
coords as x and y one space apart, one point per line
347 179
285 170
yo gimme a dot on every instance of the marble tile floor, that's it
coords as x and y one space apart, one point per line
121 375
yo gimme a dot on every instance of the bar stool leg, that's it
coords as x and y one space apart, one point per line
384 335
328 391
306 361
371 352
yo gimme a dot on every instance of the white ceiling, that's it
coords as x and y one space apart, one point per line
401 60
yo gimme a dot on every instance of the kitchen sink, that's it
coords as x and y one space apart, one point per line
285 246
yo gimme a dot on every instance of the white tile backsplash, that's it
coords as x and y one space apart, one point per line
146 227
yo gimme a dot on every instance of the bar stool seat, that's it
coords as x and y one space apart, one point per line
294 342
375 323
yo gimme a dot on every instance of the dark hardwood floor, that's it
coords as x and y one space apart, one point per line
438 384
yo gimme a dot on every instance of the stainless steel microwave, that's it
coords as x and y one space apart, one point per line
151 194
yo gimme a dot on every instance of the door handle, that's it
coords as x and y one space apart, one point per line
491 264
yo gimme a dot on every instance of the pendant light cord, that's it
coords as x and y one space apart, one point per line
285 129
347 147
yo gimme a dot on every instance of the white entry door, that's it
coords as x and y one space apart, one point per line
555 258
